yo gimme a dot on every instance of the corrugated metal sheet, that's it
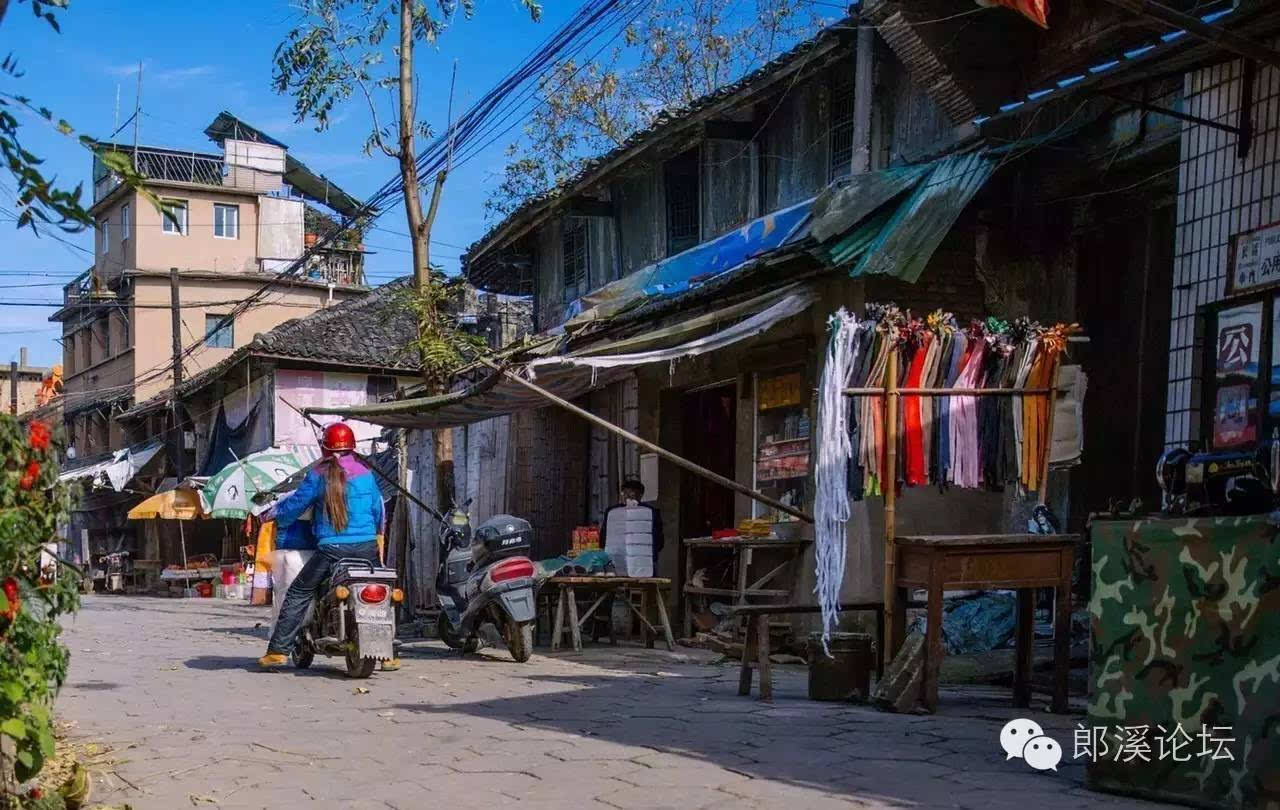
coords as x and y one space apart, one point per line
917 227
853 199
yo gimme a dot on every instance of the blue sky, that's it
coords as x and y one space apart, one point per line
198 60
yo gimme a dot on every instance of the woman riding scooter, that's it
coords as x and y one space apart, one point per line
348 519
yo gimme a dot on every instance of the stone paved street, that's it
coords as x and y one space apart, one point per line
168 685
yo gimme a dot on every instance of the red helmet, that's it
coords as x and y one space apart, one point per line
338 436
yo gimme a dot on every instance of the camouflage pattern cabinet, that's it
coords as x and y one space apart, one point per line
1184 698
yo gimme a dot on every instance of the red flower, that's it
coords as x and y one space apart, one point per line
11 594
29 477
39 435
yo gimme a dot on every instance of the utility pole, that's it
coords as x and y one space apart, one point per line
13 387
178 448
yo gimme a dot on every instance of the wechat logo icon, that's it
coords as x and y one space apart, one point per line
1026 740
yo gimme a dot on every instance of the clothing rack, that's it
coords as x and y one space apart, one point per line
892 394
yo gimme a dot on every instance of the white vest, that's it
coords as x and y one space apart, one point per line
629 540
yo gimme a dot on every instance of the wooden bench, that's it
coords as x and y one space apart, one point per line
758 631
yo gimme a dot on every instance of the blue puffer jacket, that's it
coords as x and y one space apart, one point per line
364 505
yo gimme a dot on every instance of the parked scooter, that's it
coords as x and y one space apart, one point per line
486 578
117 567
353 617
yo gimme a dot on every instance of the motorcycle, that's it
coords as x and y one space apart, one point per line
353 617
485 577
117 567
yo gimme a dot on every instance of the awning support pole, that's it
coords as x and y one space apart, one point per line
679 461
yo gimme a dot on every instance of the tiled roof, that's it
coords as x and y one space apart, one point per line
667 122
372 331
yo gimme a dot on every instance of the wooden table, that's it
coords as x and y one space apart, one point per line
757 617
650 594
745 587
1019 562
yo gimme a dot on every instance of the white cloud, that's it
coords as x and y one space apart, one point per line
162 75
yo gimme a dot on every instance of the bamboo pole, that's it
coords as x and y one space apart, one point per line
888 484
950 392
679 461
1048 430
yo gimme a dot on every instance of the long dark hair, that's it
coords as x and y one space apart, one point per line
335 494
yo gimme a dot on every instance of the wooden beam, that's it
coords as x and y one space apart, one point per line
721 129
679 461
1200 29
589 207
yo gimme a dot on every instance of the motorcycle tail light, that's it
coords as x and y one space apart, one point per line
373 594
511 569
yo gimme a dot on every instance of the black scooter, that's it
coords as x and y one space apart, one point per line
485 577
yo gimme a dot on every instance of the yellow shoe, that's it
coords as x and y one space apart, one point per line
273 661
391 665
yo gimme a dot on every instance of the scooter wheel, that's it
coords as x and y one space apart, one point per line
358 667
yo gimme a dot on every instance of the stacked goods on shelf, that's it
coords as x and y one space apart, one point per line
585 538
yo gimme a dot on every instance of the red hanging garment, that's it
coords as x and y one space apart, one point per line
916 470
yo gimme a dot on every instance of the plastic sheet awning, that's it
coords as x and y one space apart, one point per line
571 376
118 470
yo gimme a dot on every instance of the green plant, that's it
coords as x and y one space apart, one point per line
441 347
33 665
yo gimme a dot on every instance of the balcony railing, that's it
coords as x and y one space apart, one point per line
164 164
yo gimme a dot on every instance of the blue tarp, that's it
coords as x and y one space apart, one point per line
678 273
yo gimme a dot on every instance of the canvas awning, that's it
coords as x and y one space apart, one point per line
118 470
571 376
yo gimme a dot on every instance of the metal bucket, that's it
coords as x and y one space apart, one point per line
846 674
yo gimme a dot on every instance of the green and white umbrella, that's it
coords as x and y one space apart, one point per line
229 492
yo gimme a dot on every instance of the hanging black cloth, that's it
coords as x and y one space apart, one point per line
226 443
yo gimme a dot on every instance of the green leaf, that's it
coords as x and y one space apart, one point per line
15 728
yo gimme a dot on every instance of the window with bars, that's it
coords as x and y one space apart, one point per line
684 211
841 130
575 262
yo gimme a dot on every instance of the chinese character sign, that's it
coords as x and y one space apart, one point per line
1235 413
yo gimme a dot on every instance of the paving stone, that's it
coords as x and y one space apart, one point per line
617 727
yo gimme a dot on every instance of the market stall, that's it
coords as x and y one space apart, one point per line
913 402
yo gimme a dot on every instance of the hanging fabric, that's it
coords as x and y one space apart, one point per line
831 504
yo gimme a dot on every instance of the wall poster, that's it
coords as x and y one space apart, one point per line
1237 351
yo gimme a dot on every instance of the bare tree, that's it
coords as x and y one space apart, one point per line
366 49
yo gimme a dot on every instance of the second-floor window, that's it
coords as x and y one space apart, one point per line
575 262
106 235
174 217
124 222
841 126
684 210
226 221
218 335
